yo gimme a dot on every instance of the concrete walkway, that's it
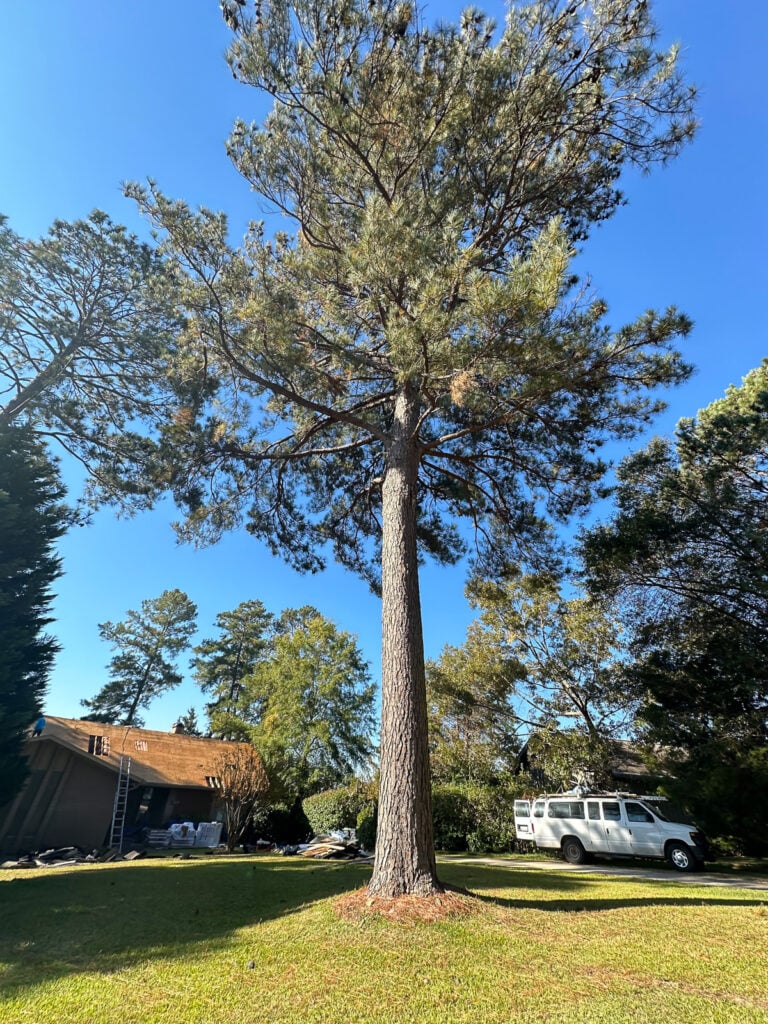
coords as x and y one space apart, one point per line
596 868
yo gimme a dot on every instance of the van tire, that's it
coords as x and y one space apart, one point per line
681 857
573 851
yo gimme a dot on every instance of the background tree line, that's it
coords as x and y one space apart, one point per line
662 640
293 685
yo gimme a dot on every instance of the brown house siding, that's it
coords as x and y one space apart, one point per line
84 808
65 795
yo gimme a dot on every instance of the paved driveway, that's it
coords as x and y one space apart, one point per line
659 874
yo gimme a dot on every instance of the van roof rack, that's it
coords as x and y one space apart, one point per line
586 794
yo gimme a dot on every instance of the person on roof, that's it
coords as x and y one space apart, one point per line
39 726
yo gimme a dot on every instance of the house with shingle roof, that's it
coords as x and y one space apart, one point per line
69 796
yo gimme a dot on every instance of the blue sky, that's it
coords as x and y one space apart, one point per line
94 93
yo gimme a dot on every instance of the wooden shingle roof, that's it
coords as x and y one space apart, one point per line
157 758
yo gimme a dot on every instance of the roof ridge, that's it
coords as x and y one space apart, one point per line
83 724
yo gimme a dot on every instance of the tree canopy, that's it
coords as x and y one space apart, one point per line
307 706
418 350
32 518
87 335
147 643
537 673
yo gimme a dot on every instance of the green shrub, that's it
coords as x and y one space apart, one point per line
367 822
331 809
478 818
493 819
452 817
282 824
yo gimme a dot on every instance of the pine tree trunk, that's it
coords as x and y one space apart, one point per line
405 855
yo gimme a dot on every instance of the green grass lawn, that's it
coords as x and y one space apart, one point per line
722 866
171 941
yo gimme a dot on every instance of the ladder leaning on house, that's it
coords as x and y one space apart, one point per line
121 803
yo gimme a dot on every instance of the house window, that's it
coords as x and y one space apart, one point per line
213 781
98 745
141 744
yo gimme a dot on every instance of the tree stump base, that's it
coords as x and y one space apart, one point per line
449 904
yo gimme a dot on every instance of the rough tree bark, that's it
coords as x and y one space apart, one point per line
405 859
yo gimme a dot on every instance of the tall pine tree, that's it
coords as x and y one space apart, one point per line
417 350
146 644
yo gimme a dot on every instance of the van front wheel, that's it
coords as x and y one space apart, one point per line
681 857
573 851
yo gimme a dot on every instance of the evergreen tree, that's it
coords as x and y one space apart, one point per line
307 706
221 664
189 723
86 345
417 351
32 518
147 643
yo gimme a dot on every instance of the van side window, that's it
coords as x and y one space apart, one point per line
636 812
611 810
538 809
566 809
594 810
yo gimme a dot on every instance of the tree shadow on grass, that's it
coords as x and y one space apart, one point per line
580 893
112 917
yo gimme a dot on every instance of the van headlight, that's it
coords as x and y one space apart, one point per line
697 838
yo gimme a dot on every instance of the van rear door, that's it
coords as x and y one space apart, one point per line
523 826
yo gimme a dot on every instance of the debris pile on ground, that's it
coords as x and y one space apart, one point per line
341 845
53 858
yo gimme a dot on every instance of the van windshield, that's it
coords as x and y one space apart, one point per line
672 812
658 812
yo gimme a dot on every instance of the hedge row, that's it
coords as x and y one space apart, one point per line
474 818
477 818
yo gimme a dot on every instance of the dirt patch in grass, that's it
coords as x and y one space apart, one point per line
444 906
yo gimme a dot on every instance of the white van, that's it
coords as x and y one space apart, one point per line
580 824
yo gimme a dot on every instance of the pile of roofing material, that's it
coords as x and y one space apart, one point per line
161 838
182 834
53 858
331 847
208 834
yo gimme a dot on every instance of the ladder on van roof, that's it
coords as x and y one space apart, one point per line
121 804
